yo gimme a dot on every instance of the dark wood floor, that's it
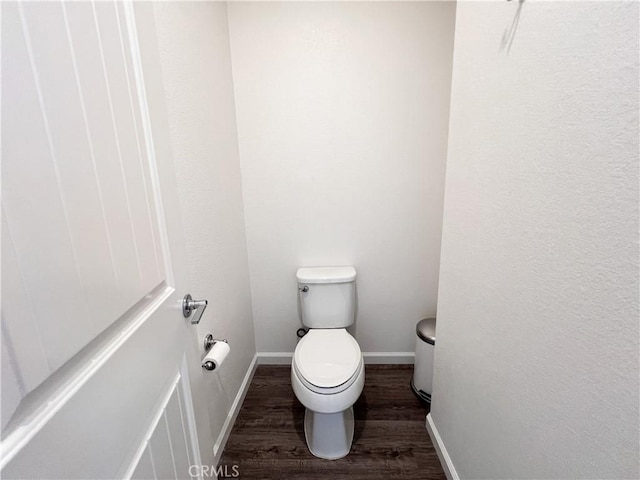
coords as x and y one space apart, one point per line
390 439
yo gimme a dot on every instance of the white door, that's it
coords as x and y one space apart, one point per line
101 373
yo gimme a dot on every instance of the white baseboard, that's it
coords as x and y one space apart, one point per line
370 358
218 448
441 450
274 358
388 358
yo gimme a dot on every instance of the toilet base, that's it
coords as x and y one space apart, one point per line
329 435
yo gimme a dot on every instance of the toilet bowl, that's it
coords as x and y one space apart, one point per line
327 376
327 371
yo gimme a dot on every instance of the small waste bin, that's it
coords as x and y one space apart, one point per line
423 364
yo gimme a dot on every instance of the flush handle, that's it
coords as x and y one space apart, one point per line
189 306
304 289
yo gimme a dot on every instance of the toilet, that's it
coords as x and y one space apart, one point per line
327 371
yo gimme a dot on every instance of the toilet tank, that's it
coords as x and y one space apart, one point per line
327 296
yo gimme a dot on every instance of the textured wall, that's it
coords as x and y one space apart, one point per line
193 40
342 123
536 369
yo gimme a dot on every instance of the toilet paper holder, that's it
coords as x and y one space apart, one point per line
208 344
209 341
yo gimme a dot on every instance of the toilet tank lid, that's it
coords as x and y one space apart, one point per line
326 274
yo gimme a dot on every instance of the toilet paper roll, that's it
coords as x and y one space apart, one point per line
216 355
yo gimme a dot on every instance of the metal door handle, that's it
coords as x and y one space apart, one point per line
189 305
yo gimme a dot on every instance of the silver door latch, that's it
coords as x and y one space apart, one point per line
189 305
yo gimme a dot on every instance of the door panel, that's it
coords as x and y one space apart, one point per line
18 317
106 153
99 365
103 232
115 63
103 412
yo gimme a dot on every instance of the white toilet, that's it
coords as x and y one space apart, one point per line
327 372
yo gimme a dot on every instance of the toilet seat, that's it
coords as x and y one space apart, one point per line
327 361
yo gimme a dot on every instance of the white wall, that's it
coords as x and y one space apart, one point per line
342 121
536 369
193 42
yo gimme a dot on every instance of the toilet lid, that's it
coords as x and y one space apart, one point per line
327 357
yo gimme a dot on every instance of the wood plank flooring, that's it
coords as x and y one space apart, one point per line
390 439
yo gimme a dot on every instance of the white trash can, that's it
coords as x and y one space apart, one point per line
423 364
